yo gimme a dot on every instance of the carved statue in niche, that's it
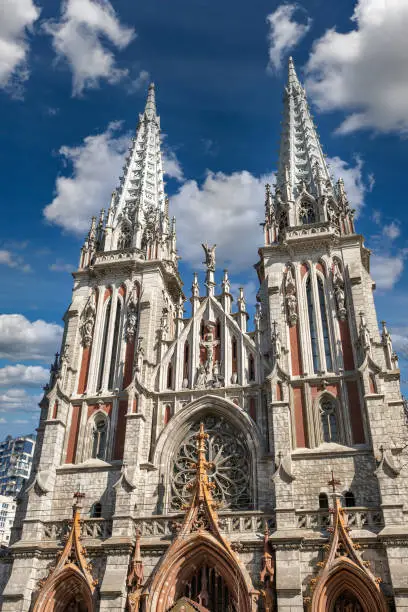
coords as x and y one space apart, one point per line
338 284
139 355
209 256
291 299
276 342
88 320
364 334
208 374
164 324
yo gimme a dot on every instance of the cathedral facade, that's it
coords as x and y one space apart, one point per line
192 464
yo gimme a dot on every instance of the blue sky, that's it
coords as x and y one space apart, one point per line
73 78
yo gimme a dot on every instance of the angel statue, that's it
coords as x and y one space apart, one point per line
209 256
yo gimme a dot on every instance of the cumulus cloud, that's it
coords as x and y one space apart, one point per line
225 210
284 33
364 72
16 18
386 269
353 178
96 165
18 399
23 339
140 82
7 258
20 375
79 38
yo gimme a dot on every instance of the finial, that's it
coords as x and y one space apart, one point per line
195 288
150 108
292 76
226 285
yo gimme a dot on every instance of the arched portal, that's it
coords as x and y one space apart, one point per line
68 592
205 573
347 585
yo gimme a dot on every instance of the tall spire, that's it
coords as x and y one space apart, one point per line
138 215
302 165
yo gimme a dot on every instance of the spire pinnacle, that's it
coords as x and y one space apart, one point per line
150 108
292 76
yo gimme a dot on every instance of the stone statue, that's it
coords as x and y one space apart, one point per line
209 256
365 340
88 320
131 322
201 377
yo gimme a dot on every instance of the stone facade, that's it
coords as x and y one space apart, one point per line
313 389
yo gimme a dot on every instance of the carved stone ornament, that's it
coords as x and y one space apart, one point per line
364 335
131 321
338 284
209 256
291 299
88 320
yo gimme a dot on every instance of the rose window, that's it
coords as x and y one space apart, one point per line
227 449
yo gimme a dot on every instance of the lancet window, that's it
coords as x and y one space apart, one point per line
323 501
125 238
209 588
115 344
328 419
227 449
312 326
325 325
104 343
99 438
307 213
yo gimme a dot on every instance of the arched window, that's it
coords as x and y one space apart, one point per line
372 383
104 343
349 499
329 420
96 510
115 344
186 361
218 329
125 238
325 326
323 501
312 326
252 409
307 213
170 376
234 350
167 414
99 438
251 367
202 329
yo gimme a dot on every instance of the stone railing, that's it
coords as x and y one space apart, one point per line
357 518
96 528
324 227
230 523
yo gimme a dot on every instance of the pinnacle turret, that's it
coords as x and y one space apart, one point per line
150 108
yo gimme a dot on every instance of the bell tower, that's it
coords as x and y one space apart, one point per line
334 388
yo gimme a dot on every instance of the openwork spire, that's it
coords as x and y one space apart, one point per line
301 160
342 569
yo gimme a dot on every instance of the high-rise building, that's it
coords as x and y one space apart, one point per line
16 458
213 467
7 513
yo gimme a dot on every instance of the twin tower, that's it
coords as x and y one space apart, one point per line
210 467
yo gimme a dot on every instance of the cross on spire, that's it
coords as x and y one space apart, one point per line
333 482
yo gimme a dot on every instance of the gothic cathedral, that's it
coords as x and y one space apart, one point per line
191 464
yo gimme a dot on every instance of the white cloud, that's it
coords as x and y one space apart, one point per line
140 82
23 339
61 266
20 375
225 210
18 399
79 37
16 18
364 72
392 230
7 258
97 164
2 421
352 176
386 269
171 165
284 33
